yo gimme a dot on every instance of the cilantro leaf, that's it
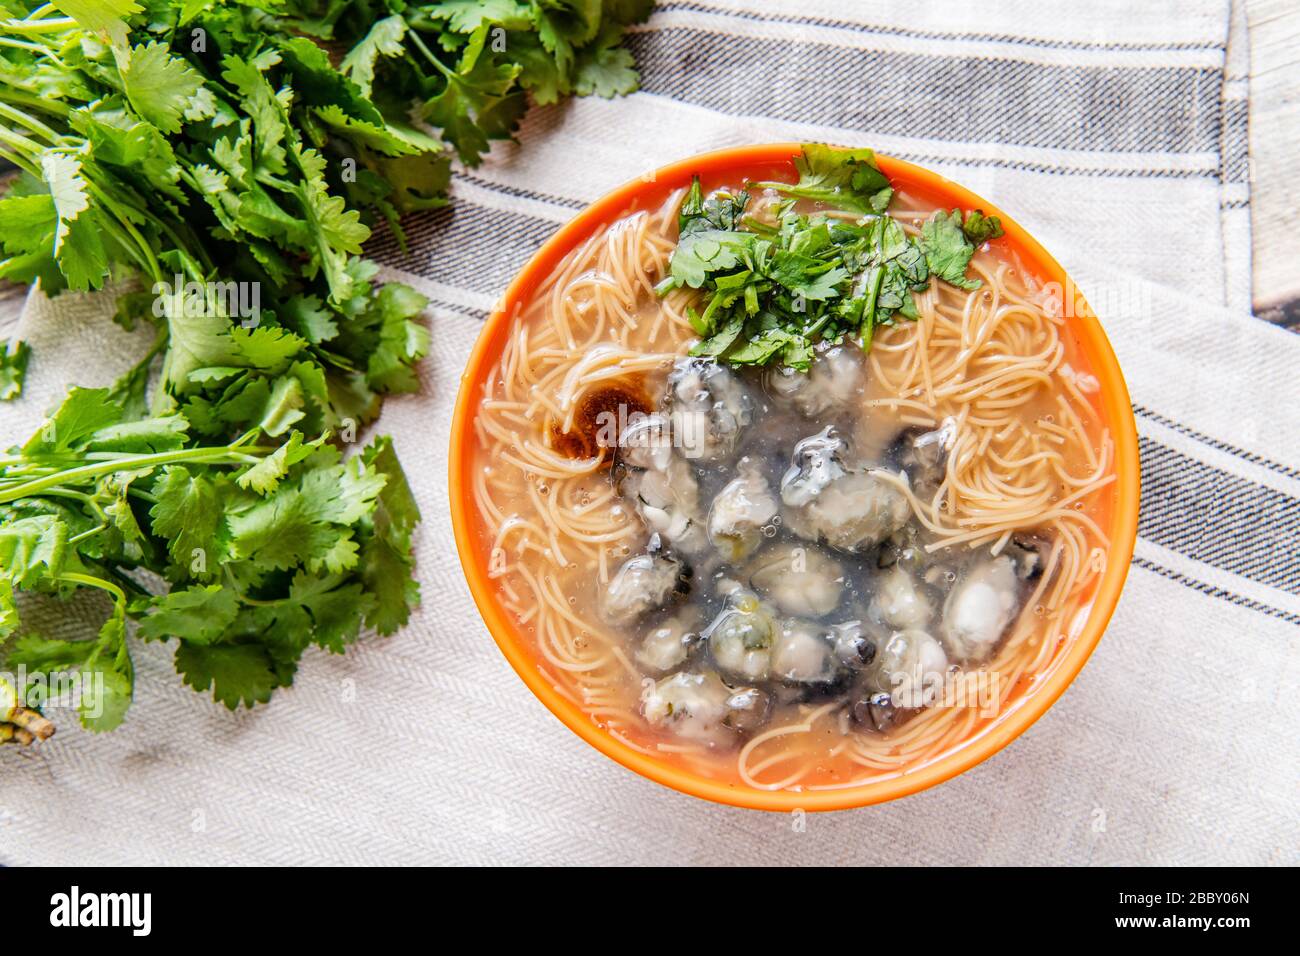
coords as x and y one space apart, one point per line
8 609
67 190
604 68
198 614
466 16
384 39
42 655
187 513
106 698
264 476
164 433
163 89
709 250
402 340
13 369
236 673
84 412
386 556
947 250
336 610
27 223
99 15
721 211
980 228
476 104
842 178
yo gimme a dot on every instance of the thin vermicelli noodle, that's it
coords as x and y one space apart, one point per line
995 367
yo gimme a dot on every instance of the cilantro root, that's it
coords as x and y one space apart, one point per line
19 724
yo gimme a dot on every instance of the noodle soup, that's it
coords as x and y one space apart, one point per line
820 541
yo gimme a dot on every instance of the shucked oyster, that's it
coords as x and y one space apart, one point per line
667 644
710 409
911 667
643 583
828 501
899 602
804 653
740 512
740 638
982 605
836 376
799 579
689 704
668 501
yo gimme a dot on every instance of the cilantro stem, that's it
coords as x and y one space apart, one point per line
81 496
34 102
22 44
246 437
428 55
87 580
78 538
159 343
19 160
869 309
150 262
221 455
33 124
118 646
60 462
20 142
38 26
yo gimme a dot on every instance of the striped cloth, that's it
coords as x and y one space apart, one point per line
1118 137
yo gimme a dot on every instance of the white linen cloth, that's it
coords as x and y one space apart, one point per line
1116 135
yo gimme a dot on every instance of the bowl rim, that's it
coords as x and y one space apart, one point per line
1116 408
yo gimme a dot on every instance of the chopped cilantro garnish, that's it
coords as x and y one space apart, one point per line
772 292
947 250
980 228
846 179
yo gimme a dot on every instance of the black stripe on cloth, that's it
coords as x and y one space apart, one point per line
1235 148
1217 592
516 191
1250 456
1038 42
465 245
1218 519
466 310
966 99
1118 172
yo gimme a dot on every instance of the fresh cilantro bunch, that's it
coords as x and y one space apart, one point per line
215 142
471 66
232 159
270 544
772 292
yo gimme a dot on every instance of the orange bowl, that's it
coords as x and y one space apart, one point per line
771 162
